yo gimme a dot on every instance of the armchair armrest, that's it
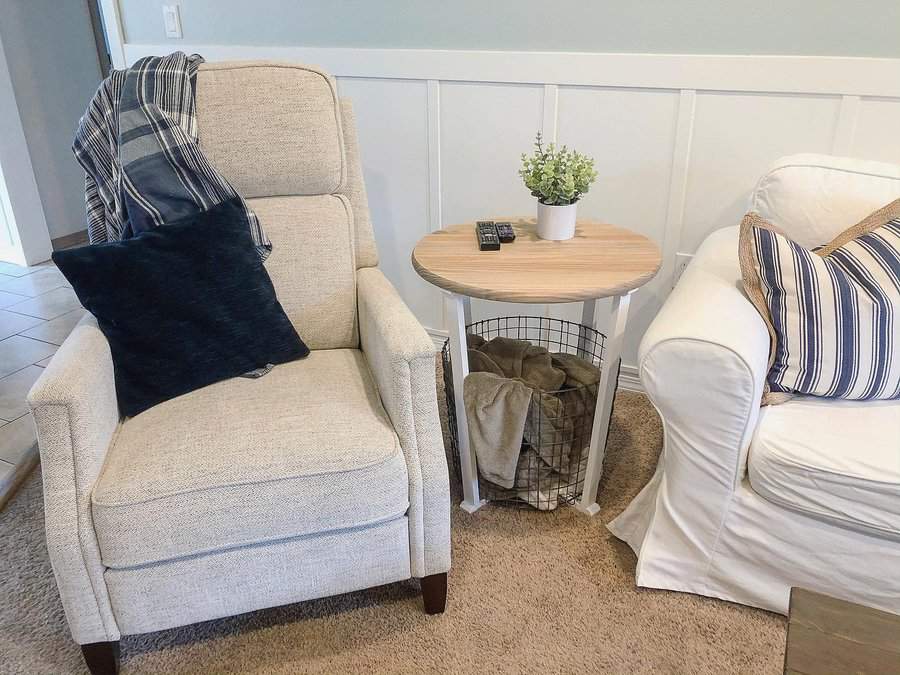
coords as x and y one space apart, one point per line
75 411
402 359
703 363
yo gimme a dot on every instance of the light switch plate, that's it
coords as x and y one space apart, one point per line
172 21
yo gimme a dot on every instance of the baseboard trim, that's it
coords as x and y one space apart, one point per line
629 378
438 336
70 240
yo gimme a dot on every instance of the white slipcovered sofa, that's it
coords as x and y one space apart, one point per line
328 475
747 501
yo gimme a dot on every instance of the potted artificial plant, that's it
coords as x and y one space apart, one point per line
558 177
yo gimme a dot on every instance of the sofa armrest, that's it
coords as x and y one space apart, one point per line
402 359
703 363
75 411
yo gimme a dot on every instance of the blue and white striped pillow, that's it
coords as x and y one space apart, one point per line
833 313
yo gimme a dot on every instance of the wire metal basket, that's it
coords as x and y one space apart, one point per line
553 457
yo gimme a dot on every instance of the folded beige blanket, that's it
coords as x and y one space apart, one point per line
504 373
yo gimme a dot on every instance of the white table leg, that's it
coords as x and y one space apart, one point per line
467 309
457 312
588 312
606 392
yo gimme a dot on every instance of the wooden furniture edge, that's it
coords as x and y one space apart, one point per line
487 294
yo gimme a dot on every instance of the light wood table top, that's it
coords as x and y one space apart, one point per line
600 261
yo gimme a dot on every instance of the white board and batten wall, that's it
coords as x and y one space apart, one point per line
679 140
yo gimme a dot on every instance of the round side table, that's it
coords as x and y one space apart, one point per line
601 261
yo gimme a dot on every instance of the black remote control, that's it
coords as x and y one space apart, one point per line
505 232
488 239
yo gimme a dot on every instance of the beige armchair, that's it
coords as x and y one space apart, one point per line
325 476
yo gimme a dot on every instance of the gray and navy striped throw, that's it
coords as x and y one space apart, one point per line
833 313
139 148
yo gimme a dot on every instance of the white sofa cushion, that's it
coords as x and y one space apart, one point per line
308 448
835 460
812 198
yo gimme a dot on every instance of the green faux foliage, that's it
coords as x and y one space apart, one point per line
557 176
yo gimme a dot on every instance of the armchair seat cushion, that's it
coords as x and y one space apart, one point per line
834 460
306 449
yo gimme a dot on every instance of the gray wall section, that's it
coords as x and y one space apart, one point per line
808 27
53 63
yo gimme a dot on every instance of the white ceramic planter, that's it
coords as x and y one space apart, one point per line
556 222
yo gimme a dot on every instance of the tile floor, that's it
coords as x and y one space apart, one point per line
38 309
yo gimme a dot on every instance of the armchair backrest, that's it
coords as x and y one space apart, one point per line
813 198
281 136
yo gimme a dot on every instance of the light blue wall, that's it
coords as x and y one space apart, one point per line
811 27
49 46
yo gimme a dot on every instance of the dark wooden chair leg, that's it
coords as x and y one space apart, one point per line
102 658
434 593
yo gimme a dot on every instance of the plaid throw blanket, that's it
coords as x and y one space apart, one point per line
138 145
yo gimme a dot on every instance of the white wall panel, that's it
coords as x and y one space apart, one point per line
877 132
631 135
736 137
484 130
391 122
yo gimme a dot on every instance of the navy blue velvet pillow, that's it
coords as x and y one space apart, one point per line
182 306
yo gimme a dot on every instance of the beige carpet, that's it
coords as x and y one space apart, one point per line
529 593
